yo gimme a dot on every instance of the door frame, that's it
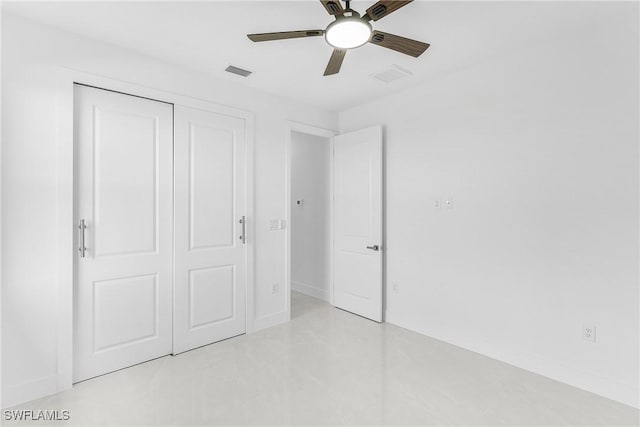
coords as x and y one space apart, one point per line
291 126
65 79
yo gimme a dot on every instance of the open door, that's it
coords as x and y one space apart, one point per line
357 239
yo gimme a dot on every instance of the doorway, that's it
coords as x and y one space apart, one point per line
335 215
310 223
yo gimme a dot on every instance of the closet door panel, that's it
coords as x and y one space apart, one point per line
124 218
210 253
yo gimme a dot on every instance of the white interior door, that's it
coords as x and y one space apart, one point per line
210 251
357 281
123 286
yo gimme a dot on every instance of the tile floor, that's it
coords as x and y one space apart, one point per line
329 367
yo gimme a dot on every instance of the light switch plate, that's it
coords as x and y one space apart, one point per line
277 224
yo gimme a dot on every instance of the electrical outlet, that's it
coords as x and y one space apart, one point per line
396 288
274 288
589 333
437 204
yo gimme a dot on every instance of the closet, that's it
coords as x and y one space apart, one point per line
160 209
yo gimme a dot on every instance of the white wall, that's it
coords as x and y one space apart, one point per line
539 152
29 96
310 179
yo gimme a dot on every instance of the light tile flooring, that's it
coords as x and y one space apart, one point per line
329 367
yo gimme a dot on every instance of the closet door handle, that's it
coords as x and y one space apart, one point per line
243 236
82 247
374 247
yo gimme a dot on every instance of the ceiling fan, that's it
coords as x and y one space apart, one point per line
350 30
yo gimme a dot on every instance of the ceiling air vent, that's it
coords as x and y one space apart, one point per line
392 74
239 71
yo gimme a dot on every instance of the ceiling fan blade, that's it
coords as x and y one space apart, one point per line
264 37
333 7
385 7
335 62
399 44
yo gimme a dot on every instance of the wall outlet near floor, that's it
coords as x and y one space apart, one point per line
437 204
589 333
274 288
396 288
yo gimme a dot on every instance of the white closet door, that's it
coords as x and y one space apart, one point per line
123 283
357 282
210 253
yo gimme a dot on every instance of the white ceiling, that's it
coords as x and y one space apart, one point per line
208 36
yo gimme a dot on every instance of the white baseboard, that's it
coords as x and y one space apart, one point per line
269 321
589 381
25 392
312 291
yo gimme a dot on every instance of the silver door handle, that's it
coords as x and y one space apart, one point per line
82 247
243 237
374 247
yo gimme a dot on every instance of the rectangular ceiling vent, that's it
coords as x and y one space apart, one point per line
239 71
392 74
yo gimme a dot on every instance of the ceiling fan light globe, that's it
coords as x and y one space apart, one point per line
348 33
